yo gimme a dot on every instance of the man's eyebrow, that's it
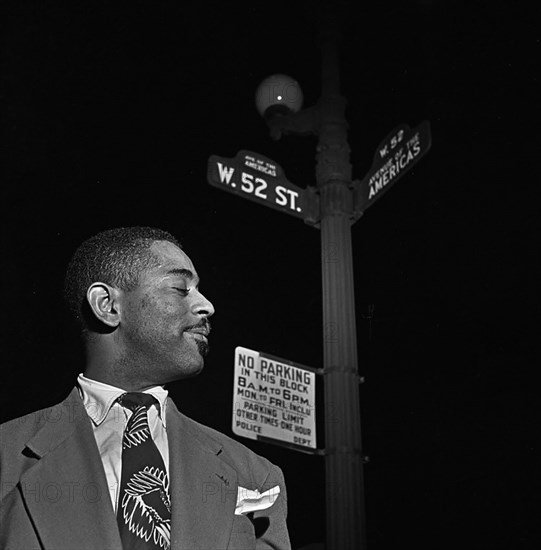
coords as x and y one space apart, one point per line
183 272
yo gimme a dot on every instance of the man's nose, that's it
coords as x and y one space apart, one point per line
202 306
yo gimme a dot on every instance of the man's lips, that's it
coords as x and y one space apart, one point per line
201 335
204 332
200 331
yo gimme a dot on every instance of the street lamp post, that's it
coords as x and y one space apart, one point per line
343 453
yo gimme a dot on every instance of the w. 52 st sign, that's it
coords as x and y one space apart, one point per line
257 178
261 180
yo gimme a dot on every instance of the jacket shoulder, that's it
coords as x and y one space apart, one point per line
23 427
14 436
16 433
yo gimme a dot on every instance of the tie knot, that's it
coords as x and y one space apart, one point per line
135 400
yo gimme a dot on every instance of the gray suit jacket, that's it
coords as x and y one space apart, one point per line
54 493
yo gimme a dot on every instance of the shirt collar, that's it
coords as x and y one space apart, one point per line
98 398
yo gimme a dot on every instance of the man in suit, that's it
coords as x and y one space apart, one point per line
116 466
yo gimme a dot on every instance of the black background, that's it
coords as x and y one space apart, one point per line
110 112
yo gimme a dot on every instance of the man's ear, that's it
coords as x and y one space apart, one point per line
104 303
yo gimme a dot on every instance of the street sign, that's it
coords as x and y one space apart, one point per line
395 155
259 179
274 400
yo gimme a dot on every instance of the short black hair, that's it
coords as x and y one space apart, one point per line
115 257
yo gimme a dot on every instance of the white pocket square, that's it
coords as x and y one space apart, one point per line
251 501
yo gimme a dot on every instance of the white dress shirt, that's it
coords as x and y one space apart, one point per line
109 420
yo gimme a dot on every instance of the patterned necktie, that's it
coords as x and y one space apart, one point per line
144 506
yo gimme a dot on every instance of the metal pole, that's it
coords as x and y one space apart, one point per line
343 453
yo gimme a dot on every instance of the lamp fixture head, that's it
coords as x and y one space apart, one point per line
278 94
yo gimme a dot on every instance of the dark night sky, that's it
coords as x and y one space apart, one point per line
110 112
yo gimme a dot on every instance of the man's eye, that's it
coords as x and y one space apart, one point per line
183 291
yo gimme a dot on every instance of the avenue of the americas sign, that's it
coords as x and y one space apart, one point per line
257 178
395 155
274 399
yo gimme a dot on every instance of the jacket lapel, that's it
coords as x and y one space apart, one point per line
203 487
66 491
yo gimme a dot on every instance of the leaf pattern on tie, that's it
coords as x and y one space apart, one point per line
144 505
137 430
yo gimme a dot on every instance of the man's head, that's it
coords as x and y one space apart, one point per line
135 293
